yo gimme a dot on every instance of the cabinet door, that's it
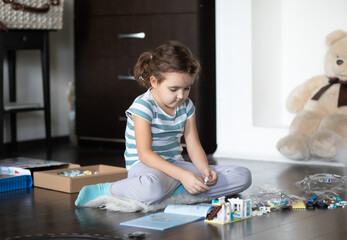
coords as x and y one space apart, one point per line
129 36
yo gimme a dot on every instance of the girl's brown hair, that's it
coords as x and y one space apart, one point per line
171 56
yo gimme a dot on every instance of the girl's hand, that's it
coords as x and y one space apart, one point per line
212 176
193 183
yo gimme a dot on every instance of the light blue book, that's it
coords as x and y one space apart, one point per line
173 215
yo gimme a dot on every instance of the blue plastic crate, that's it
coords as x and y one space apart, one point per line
10 182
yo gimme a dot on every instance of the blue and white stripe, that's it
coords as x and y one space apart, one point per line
166 130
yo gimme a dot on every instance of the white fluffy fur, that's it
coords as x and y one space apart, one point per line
130 205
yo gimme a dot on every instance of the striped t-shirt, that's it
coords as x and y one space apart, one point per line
166 130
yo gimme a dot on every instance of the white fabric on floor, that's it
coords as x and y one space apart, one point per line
130 205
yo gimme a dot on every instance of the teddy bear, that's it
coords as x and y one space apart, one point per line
319 127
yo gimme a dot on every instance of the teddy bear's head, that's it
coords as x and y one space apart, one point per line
336 56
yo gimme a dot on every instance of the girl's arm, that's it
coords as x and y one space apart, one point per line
192 183
196 152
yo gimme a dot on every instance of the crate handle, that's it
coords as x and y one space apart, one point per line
26 8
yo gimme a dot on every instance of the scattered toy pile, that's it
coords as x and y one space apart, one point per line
261 208
328 202
269 200
326 186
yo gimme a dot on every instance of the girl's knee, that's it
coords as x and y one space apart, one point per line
153 192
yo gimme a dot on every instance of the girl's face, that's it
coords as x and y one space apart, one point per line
172 91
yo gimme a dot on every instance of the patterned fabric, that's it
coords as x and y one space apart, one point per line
166 130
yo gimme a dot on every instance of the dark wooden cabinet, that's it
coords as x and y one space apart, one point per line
109 37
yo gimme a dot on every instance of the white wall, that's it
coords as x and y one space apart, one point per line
29 83
264 49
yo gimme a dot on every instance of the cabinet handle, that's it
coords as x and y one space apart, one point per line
140 35
124 77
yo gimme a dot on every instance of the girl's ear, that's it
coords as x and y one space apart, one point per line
154 81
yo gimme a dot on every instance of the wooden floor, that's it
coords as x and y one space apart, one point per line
38 213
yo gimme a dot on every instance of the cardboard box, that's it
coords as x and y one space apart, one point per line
52 180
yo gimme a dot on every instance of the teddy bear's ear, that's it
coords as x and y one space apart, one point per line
334 36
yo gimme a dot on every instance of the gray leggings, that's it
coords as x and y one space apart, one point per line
150 185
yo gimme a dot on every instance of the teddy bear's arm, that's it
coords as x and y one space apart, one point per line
299 95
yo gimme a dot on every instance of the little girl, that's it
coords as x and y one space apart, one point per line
156 121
